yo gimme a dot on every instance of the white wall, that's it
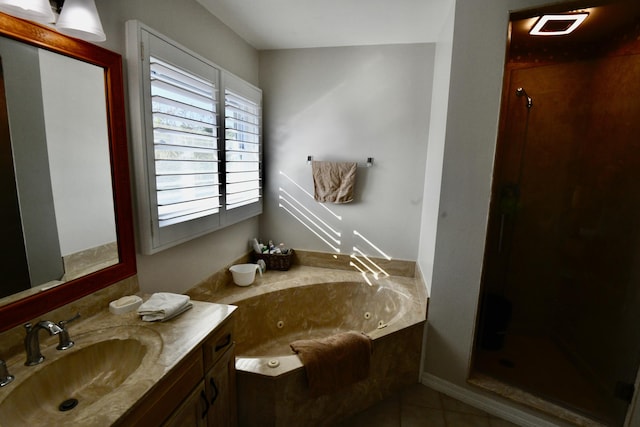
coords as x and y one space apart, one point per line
186 21
78 146
347 104
435 151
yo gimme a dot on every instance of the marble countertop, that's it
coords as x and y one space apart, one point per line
167 343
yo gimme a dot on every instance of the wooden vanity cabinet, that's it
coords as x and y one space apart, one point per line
167 395
200 391
220 376
220 385
212 402
193 411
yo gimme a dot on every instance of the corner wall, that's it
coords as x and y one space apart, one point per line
347 104
435 150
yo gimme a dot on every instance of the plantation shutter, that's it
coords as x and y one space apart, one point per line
242 130
185 135
197 142
243 145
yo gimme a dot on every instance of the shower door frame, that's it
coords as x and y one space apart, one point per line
494 224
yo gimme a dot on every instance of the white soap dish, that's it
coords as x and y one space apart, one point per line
125 304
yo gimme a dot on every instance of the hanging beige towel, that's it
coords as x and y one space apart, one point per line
334 181
334 362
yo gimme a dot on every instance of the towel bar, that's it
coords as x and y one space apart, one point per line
368 164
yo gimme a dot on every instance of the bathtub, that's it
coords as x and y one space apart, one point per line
308 302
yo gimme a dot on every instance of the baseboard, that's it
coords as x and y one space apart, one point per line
485 403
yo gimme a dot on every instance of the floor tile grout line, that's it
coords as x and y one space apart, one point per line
444 418
400 408
401 404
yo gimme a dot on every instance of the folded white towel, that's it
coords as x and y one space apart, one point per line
164 306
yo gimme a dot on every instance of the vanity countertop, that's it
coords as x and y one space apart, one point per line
165 343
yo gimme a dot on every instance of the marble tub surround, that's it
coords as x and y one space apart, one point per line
208 288
220 287
316 302
216 281
308 301
349 303
165 345
285 400
393 267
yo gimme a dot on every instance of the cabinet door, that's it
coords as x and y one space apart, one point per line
220 383
167 395
193 412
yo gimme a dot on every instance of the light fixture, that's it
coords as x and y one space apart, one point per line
77 18
557 25
33 10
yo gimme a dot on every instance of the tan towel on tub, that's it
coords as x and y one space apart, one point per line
334 181
334 362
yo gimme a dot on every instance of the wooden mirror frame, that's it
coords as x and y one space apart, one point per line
32 306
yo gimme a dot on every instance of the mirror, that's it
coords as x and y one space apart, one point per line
64 224
67 155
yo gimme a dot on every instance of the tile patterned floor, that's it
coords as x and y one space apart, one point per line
420 406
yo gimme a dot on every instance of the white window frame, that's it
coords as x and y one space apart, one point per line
143 42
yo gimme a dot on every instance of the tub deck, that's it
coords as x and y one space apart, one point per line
278 395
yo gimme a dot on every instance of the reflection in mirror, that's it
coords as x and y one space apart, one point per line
60 144
78 149
66 208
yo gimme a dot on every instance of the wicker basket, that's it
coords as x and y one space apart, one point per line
275 261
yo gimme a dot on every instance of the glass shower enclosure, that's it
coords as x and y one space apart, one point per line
560 300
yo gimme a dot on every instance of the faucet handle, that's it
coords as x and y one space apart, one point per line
5 377
62 323
65 342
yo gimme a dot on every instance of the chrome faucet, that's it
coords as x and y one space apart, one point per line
32 341
5 376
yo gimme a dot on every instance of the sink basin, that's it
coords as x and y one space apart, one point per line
67 383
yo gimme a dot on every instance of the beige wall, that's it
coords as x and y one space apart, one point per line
179 268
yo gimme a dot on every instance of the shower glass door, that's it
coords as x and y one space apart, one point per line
560 303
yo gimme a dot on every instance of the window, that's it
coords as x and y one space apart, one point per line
197 144
185 139
242 144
